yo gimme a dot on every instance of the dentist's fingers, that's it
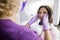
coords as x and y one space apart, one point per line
45 22
45 17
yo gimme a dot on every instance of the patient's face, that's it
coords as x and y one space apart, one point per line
41 13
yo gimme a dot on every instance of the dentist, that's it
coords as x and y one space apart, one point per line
10 30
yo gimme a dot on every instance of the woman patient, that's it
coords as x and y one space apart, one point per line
9 30
44 14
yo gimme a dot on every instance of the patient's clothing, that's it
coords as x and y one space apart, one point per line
11 31
39 30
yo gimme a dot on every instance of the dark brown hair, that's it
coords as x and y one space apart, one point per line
49 10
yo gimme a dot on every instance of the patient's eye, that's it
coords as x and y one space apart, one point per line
39 12
44 12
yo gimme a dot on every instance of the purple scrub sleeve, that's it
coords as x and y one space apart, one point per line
11 31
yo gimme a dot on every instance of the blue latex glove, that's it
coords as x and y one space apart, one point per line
45 23
35 18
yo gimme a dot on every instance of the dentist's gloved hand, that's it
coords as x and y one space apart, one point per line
45 23
35 18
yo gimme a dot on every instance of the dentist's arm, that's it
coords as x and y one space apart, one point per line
34 19
47 35
46 27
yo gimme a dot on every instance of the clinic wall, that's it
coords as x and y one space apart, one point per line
56 12
31 8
